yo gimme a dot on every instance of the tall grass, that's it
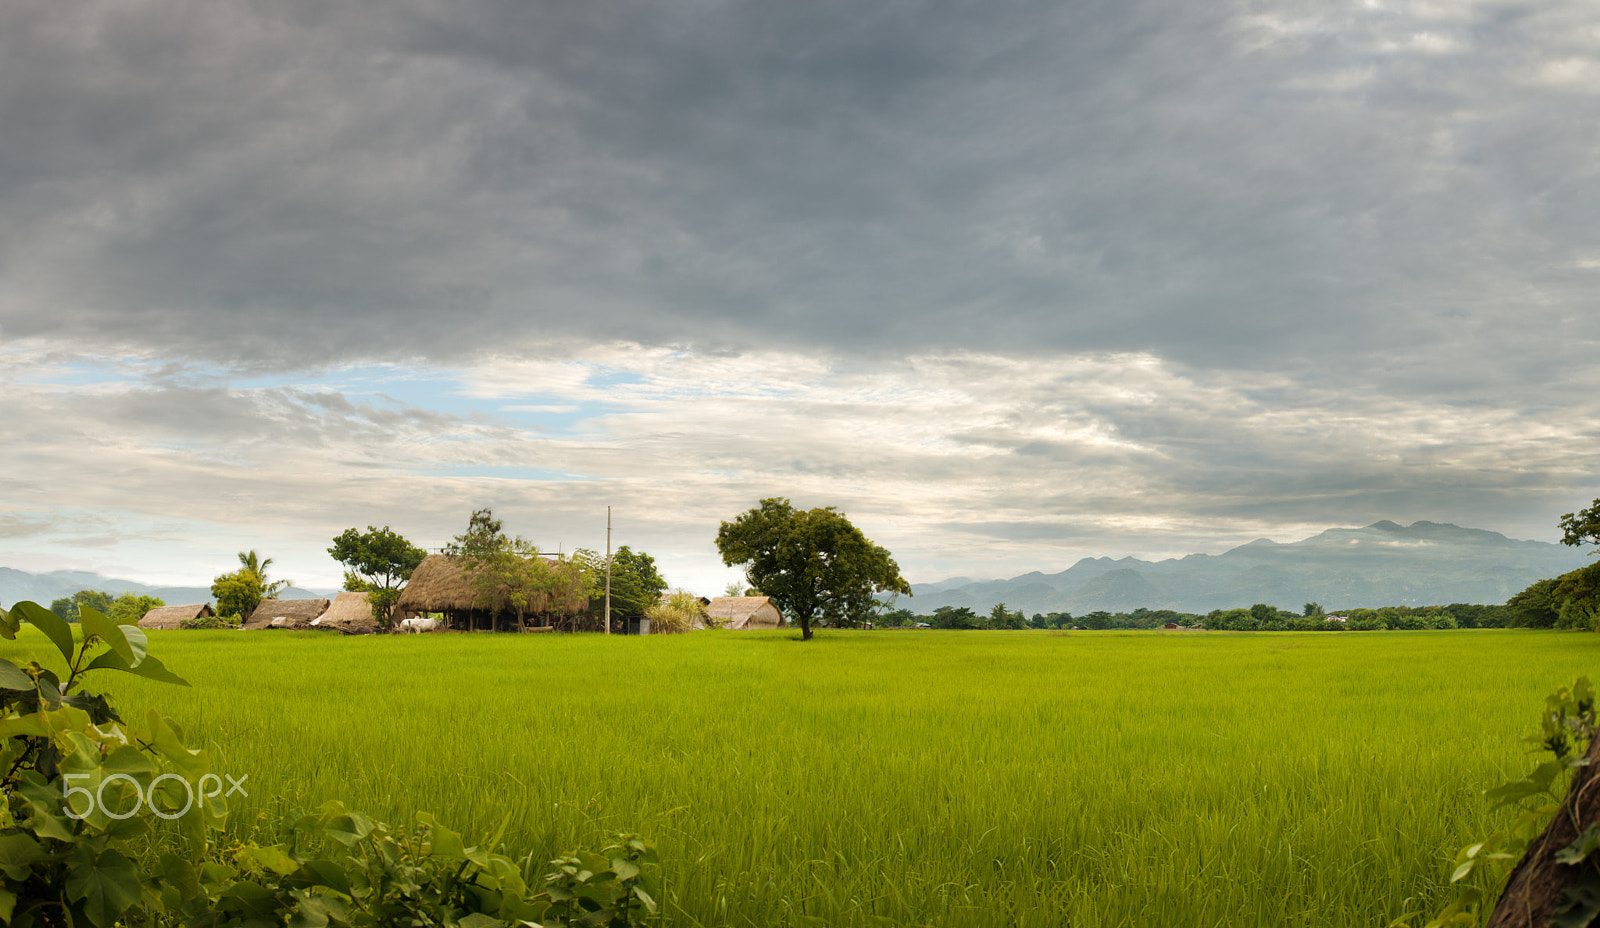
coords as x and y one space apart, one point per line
906 778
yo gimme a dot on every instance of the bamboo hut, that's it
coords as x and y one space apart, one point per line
285 613
350 614
166 617
745 612
442 584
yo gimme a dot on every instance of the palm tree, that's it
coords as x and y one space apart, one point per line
258 566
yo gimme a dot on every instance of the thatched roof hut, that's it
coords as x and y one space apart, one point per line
742 612
285 613
350 613
173 616
441 583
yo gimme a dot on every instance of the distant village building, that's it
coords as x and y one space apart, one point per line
168 617
745 612
350 614
285 613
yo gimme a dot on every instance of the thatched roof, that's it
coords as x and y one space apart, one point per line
438 584
350 613
741 612
173 616
441 584
285 613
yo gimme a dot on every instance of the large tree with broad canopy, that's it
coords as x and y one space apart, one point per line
813 563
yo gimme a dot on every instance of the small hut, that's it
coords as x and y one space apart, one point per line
350 614
744 612
285 613
165 617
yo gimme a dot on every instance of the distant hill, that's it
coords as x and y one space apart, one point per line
1383 564
18 585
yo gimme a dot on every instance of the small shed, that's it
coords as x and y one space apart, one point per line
745 612
350 614
285 613
165 617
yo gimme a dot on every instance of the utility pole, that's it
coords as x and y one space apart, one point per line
608 570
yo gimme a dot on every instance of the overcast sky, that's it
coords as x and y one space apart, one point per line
1010 284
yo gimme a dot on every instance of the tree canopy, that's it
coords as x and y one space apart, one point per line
813 563
378 561
1582 527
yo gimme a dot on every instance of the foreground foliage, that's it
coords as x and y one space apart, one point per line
1480 869
107 823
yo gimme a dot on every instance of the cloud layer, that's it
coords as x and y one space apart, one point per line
1008 284
959 462
1241 185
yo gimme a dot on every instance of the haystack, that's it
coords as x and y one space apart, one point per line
285 613
744 612
173 616
350 613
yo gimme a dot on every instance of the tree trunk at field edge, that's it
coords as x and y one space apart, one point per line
1534 889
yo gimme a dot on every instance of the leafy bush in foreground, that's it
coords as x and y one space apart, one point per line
75 850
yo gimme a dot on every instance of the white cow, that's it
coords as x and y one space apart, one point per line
418 625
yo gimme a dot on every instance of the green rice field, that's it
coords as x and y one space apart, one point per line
908 778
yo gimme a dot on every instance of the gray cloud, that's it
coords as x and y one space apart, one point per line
1243 186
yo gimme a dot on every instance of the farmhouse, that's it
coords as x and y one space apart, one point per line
165 617
285 613
350 614
442 584
743 612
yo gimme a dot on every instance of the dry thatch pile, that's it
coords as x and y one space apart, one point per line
285 613
350 614
741 612
165 617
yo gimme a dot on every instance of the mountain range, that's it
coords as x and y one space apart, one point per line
1382 564
18 585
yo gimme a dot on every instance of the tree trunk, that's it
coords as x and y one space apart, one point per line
1534 890
805 628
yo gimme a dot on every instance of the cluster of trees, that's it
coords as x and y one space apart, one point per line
1571 600
1260 617
126 609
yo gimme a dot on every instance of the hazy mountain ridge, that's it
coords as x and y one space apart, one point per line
19 585
1382 564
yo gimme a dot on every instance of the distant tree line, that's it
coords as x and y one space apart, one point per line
1260 617
126 609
